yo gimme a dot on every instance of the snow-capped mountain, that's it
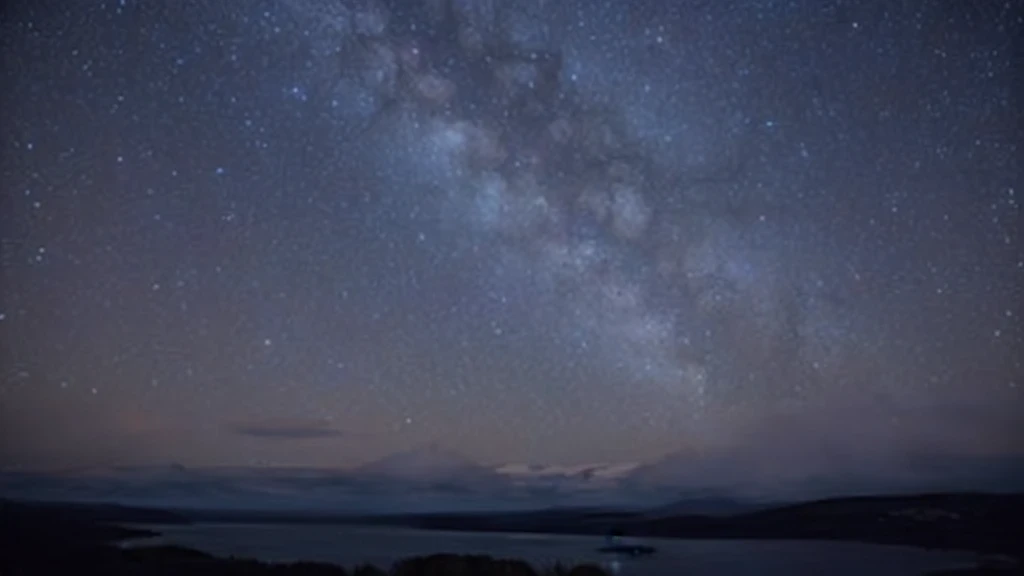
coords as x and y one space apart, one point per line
434 479
598 472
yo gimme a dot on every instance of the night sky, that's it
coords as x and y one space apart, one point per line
316 232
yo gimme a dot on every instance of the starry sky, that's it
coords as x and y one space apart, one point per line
316 232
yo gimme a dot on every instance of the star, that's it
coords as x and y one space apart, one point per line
566 233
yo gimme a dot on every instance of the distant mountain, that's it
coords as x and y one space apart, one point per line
687 470
598 471
705 504
428 478
157 472
433 478
430 463
745 477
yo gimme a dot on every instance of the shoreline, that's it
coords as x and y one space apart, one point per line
50 538
59 541
804 522
136 558
982 564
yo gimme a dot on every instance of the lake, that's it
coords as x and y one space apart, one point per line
382 546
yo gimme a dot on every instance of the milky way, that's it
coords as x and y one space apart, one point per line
530 231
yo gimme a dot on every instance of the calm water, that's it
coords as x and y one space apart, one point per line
349 545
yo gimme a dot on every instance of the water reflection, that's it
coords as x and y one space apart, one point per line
381 546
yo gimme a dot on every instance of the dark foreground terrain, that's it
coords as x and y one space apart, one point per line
61 539
983 523
69 539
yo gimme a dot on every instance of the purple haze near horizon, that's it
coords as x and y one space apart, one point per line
780 237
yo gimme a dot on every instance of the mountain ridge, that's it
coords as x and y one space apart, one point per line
428 462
